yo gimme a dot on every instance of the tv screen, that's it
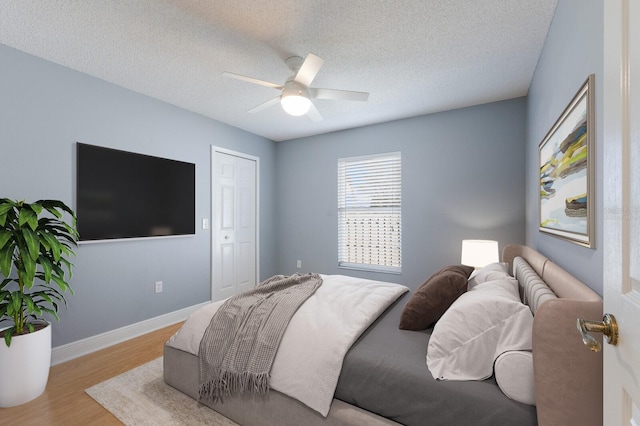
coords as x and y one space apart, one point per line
127 195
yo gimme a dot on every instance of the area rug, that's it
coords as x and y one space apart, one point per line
141 397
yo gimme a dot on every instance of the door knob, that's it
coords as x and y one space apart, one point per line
608 326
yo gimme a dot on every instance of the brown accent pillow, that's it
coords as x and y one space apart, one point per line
433 298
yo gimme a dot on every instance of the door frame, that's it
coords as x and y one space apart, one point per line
217 149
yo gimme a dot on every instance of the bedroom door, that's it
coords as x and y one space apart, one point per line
234 207
621 213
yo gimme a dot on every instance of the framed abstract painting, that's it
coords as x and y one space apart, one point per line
567 182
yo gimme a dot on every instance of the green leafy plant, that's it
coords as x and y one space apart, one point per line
35 246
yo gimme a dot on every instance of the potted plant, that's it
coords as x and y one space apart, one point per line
36 243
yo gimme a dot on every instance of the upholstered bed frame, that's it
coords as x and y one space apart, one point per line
568 376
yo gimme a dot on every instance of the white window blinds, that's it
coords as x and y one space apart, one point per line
369 212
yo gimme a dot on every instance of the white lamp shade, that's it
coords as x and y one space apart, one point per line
295 104
479 253
295 99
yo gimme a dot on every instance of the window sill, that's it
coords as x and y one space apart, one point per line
380 269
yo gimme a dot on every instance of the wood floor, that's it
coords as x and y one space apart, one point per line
64 402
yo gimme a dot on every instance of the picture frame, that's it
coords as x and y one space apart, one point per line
566 171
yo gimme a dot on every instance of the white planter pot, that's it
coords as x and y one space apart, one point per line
24 367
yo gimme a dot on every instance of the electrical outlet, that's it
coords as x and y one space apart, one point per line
205 223
299 264
158 286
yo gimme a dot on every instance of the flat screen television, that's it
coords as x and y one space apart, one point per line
123 195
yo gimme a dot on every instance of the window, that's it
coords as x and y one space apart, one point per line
369 213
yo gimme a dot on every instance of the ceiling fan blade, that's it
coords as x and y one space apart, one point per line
313 113
264 105
340 95
252 80
309 69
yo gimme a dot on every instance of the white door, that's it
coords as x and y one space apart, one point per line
621 214
234 207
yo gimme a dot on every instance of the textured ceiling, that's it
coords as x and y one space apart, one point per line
413 56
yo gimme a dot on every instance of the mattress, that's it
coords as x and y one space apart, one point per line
385 376
385 372
274 409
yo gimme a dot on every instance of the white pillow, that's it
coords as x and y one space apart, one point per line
493 271
514 375
509 284
479 326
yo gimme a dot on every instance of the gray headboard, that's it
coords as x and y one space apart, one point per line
568 376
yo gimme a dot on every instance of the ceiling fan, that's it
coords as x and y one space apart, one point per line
296 93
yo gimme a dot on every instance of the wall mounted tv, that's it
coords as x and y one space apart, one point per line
127 195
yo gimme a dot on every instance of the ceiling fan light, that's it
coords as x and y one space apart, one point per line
295 104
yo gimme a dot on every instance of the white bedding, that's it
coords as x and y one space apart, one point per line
309 360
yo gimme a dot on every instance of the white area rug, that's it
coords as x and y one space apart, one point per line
141 397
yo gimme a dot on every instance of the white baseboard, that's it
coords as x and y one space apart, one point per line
76 349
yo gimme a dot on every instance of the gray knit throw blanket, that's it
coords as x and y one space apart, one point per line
241 341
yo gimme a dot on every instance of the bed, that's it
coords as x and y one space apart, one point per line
384 379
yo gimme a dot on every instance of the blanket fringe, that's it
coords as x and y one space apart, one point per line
227 383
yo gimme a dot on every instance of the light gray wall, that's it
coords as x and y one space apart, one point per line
462 177
573 50
44 110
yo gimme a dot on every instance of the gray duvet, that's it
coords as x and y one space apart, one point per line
385 372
